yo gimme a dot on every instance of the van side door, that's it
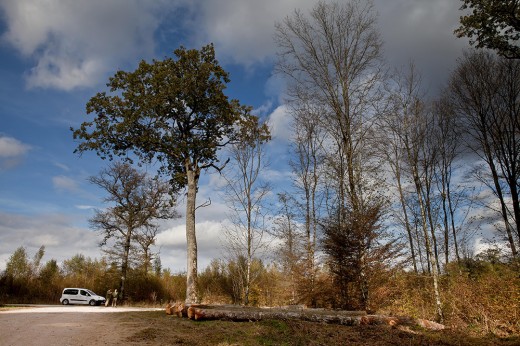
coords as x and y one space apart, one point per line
84 297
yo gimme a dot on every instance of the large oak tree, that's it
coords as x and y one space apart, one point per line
173 112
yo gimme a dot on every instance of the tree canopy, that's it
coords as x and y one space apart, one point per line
173 110
493 24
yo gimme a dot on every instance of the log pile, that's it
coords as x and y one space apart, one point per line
244 314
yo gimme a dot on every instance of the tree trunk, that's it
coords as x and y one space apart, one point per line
452 217
431 257
446 229
191 239
516 206
124 265
500 195
405 214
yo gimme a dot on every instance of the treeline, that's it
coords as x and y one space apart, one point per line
479 293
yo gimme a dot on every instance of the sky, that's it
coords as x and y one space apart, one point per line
56 54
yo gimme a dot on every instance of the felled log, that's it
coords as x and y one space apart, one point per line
199 313
347 318
176 309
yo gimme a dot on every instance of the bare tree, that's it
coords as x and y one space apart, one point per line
307 167
406 88
484 94
447 137
332 58
145 238
135 201
411 127
291 250
246 193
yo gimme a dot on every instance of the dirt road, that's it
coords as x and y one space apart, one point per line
65 325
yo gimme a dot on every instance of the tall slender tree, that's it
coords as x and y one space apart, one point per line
410 126
307 167
246 192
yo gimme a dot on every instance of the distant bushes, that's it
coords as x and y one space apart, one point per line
479 295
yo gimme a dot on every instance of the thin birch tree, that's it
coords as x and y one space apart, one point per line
246 193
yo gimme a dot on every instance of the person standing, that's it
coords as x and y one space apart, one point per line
114 298
108 297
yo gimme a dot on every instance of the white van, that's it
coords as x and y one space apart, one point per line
80 296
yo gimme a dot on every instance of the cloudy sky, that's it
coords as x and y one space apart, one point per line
56 54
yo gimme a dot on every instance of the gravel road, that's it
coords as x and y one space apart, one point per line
64 325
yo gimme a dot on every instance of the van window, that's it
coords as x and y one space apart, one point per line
70 291
84 293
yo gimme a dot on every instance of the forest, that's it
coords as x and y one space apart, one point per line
391 185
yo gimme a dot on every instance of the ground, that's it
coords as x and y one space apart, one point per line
94 326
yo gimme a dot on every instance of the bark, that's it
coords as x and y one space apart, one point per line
452 217
397 173
499 194
124 266
191 239
432 263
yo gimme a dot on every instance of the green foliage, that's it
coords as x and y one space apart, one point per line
358 249
493 24
18 265
173 110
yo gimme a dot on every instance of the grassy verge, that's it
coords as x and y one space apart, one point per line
156 328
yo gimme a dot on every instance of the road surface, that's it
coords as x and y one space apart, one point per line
65 325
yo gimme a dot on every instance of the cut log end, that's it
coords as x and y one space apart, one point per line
176 309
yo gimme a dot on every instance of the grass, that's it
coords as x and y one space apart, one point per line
157 328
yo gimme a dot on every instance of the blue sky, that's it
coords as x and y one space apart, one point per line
56 54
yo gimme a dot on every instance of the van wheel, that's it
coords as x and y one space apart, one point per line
92 302
65 302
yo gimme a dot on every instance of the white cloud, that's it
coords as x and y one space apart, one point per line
61 238
481 245
85 207
62 166
74 43
263 109
64 183
280 124
11 147
242 30
11 152
172 244
173 237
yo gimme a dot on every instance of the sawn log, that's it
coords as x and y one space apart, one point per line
348 318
